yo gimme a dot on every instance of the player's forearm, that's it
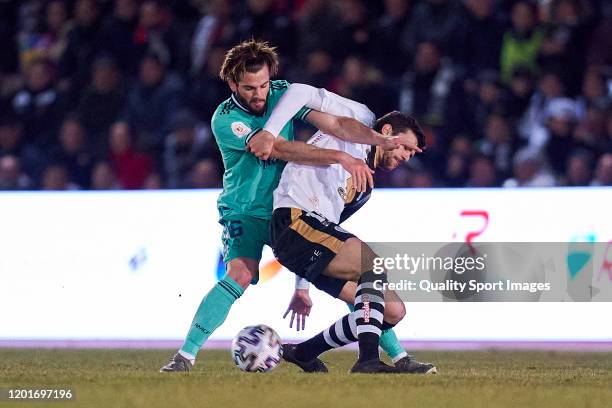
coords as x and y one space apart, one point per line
304 153
354 131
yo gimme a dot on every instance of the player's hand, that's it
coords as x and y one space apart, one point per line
360 173
299 306
403 140
261 144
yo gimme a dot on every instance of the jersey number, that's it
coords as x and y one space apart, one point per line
234 228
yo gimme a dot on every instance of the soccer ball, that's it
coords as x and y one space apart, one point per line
257 349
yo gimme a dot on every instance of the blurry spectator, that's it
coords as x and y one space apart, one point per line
153 33
207 90
387 52
600 44
318 69
521 44
363 83
354 36
498 143
528 171
101 103
603 172
205 174
560 124
590 133
55 177
594 92
564 41
440 21
57 29
531 125
421 179
150 103
11 176
75 64
37 105
153 182
103 177
455 64
579 169
260 21
8 51
489 99
213 30
184 147
425 91
456 172
482 38
116 35
73 153
50 38
27 24
11 143
482 173
130 167
317 27
608 142
456 167
520 92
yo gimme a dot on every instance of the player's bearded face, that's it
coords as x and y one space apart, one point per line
394 158
252 89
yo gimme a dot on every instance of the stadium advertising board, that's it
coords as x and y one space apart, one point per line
135 265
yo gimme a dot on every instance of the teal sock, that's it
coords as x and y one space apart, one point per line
388 341
211 313
391 345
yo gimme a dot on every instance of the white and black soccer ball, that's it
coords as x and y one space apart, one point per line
257 349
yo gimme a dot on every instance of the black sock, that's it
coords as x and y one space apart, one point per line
343 332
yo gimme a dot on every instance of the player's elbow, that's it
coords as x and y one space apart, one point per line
341 124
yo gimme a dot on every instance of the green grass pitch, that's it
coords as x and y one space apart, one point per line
129 378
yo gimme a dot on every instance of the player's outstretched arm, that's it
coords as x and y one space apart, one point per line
304 153
351 130
332 114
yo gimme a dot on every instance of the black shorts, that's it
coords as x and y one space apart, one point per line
305 243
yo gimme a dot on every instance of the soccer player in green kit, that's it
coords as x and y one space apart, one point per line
253 162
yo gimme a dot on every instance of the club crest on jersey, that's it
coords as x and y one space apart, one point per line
240 129
342 192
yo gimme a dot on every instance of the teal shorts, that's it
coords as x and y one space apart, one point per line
243 236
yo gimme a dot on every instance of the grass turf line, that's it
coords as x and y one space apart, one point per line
129 378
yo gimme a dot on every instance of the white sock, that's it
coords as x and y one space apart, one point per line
188 356
399 357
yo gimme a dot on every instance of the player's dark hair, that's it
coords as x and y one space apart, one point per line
401 122
248 56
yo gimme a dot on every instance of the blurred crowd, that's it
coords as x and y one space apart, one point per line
118 94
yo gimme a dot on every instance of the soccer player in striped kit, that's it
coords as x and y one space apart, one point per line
310 203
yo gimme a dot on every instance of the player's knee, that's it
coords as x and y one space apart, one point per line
242 275
353 273
394 312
